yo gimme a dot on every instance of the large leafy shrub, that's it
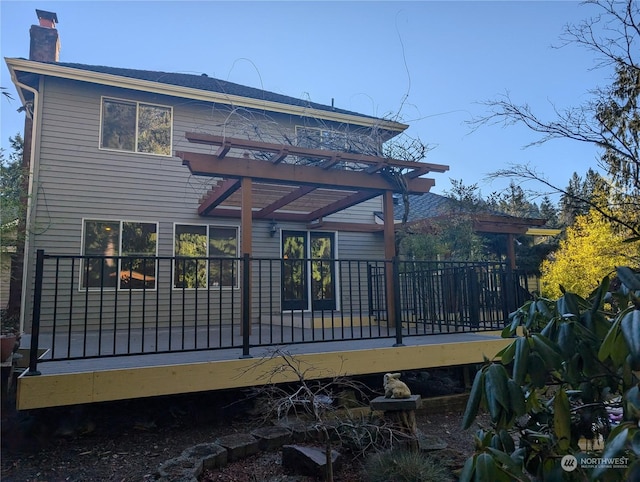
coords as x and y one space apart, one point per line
571 362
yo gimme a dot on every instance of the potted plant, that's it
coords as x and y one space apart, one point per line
9 334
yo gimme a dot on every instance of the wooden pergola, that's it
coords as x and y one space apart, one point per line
261 180
509 225
512 226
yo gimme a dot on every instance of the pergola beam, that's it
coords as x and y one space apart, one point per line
236 167
282 152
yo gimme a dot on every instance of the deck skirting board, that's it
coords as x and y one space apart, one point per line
109 384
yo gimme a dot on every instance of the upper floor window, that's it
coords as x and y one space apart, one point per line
119 254
136 127
315 138
351 141
200 256
332 140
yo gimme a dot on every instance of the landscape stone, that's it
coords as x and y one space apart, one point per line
207 456
309 461
238 445
179 469
192 463
428 443
300 430
272 438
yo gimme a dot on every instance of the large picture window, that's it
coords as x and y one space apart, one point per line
136 127
201 253
118 254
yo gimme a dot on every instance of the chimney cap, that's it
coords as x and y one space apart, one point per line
47 19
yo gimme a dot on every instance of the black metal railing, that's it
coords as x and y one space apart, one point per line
445 296
101 306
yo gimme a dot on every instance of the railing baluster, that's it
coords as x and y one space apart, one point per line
144 302
115 316
73 265
86 319
100 309
246 304
157 318
195 304
55 309
172 268
396 295
208 324
130 308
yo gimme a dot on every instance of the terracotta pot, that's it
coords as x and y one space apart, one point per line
7 345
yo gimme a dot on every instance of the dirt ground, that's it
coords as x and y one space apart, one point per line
126 441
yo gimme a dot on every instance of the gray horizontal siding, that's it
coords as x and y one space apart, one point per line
76 180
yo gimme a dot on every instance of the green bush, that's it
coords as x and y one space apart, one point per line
572 362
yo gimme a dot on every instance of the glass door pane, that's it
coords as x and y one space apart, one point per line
294 271
322 272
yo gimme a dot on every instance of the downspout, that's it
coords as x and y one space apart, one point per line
27 223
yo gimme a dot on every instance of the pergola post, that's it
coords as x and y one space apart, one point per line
389 255
246 224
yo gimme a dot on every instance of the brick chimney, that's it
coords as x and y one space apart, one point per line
45 43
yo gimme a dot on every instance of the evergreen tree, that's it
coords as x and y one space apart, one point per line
572 204
549 212
513 202
11 182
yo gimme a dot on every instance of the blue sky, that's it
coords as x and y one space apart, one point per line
429 63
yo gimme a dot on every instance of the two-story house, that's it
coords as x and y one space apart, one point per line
174 212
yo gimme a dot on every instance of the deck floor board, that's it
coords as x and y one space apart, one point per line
203 356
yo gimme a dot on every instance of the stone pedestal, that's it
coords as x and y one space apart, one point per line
400 411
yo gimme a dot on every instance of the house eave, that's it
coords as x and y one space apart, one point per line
53 70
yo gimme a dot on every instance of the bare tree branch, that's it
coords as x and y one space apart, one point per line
610 121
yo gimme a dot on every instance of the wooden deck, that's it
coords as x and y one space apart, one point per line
94 380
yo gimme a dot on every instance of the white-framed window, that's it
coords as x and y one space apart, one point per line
118 254
208 246
317 138
334 140
135 126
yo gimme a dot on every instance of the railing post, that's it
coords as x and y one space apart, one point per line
35 322
509 302
246 304
397 308
473 290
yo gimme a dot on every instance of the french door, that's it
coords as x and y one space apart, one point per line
308 270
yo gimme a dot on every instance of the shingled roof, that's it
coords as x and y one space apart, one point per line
206 83
424 206
431 205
